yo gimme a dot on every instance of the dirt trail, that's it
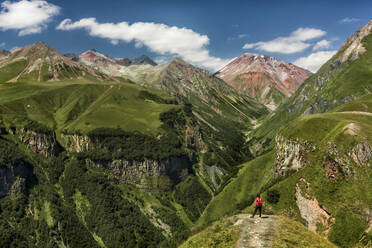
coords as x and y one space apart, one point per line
255 232
354 112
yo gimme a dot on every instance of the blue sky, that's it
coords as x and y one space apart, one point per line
205 33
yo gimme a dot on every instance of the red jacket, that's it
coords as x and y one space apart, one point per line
258 201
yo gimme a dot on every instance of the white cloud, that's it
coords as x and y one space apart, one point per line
239 36
295 42
2 44
315 60
162 59
29 17
349 20
159 38
323 44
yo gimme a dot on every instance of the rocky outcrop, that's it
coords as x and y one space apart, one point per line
337 164
147 174
290 154
41 143
13 179
353 47
194 139
361 154
77 143
310 210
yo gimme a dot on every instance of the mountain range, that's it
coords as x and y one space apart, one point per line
97 151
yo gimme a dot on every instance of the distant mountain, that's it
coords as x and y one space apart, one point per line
143 60
111 65
100 62
188 81
72 56
265 78
39 62
4 53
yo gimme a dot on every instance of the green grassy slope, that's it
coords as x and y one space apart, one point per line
292 234
220 234
81 107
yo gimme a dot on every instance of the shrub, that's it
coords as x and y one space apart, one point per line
273 196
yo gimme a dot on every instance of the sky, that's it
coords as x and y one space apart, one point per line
205 33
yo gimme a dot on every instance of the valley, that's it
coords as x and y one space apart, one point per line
97 151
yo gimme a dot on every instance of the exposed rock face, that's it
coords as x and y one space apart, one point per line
13 179
332 170
101 62
257 75
338 164
353 45
290 154
77 143
310 209
44 144
148 174
194 139
361 154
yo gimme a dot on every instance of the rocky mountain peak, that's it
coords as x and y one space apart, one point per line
43 63
353 46
177 60
260 75
143 60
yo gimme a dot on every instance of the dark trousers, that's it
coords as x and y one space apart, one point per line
255 210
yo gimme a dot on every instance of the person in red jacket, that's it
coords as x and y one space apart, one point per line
258 206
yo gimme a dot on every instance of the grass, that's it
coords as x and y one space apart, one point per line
46 214
240 191
10 71
291 233
219 235
81 106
